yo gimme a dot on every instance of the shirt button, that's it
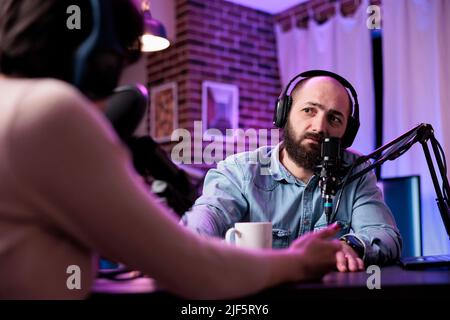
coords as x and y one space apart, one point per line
306 221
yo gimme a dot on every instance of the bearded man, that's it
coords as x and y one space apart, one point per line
285 191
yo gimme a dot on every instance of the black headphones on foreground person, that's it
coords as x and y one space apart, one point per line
98 60
284 103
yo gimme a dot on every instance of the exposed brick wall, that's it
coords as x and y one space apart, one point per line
223 42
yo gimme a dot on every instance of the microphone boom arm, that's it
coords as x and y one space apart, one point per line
421 133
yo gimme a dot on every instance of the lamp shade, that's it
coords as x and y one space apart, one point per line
154 37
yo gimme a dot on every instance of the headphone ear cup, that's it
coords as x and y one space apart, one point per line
286 109
101 75
350 132
278 115
281 111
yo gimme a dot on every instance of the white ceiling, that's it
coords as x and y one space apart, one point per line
270 6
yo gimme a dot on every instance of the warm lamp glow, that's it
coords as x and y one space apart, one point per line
152 43
154 37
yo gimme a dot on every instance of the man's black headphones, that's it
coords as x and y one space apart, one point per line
98 60
284 104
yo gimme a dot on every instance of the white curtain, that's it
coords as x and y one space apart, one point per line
416 53
342 45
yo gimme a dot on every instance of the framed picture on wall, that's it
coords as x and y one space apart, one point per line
164 111
220 107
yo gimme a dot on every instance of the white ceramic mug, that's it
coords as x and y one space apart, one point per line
250 235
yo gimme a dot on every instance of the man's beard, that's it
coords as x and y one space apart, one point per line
307 157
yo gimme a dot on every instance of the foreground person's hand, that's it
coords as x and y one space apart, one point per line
316 253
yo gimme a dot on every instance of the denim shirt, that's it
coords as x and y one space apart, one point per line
255 186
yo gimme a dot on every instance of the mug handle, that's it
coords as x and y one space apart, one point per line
230 232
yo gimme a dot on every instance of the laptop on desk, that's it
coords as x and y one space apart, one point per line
424 262
402 195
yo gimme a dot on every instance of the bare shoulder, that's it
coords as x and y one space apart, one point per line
53 120
51 95
49 103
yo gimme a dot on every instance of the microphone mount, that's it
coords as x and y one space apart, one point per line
424 134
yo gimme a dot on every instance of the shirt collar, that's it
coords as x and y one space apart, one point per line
280 173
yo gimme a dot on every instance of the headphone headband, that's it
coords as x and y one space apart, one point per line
94 75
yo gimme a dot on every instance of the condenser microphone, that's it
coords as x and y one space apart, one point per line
125 110
330 155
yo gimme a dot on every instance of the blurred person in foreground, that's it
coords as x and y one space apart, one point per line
69 191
